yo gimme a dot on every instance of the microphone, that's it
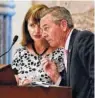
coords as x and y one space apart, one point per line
14 40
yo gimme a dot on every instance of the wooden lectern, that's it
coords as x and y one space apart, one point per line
7 75
34 92
9 88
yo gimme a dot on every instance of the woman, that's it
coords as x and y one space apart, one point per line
27 59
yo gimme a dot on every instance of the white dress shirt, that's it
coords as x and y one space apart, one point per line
66 48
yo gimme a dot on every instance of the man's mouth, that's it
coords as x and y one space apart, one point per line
49 41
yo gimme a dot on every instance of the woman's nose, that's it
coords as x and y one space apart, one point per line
37 29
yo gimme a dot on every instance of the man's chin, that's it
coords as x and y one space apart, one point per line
52 45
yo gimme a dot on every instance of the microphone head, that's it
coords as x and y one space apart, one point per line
15 39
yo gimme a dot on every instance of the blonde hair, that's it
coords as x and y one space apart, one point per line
34 11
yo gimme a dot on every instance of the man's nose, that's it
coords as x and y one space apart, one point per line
44 34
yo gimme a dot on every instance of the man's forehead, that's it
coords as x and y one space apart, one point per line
46 17
45 20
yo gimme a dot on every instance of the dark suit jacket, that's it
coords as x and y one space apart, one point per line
80 64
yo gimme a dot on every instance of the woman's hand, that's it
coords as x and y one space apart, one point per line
50 69
25 82
17 79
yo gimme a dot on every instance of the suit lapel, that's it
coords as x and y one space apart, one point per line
70 54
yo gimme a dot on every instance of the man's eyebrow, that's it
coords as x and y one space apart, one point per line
44 25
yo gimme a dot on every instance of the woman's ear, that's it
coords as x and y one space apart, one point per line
63 25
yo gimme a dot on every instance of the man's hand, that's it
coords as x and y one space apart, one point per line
50 69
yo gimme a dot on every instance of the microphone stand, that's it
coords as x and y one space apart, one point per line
14 40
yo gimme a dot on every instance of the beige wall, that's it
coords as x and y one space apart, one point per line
82 11
21 9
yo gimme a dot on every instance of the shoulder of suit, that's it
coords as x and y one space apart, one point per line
84 34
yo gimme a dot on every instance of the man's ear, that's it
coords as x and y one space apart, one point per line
63 25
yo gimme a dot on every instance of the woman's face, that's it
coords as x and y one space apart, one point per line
34 30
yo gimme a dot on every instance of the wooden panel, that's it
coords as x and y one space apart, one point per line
34 92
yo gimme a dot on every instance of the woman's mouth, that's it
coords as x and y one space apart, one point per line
37 36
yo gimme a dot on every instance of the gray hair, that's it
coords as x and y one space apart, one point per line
59 13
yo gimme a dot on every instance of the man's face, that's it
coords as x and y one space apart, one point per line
51 32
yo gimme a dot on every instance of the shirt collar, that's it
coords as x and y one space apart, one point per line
68 40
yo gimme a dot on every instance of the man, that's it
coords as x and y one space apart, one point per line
58 29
